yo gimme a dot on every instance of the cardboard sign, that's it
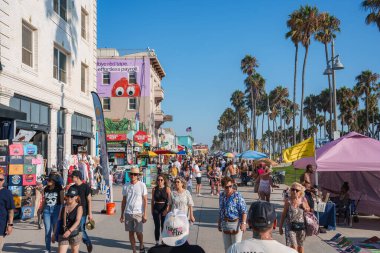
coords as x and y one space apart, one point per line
16 159
16 190
16 169
16 149
15 180
27 212
30 149
29 169
28 180
17 200
28 191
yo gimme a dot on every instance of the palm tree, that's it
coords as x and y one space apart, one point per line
308 26
237 101
348 105
255 87
327 28
374 16
366 82
310 108
320 121
294 34
324 105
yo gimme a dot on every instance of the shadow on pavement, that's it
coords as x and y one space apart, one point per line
22 247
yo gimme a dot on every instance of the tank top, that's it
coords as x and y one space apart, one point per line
295 214
70 218
160 195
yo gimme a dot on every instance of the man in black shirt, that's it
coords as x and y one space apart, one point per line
174 235
6 211
85 198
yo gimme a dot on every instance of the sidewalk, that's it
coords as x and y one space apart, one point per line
109 235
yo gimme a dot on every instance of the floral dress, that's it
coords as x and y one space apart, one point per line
294 214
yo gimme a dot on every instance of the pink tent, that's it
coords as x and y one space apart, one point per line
353 158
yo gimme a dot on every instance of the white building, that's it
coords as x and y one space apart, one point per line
48 59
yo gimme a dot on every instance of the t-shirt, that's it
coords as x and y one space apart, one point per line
181 201
134 194
260 246
6 203
52 197
83 190
186 248
197 171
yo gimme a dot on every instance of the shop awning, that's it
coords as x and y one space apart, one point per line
11 113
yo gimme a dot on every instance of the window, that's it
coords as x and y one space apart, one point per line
132 78
106 78
59 65
27 45
83 80
106 104
83 17
132 104
81 123
36 112
60 7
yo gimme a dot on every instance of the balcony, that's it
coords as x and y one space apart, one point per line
160 118
158 94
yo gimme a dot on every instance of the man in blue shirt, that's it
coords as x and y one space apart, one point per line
6 211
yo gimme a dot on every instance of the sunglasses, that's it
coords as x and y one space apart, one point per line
160 180
295 190
134 174
228 187
1 179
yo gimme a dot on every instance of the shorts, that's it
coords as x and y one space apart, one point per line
76 240
199 180
133 222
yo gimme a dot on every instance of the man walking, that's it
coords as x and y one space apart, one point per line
133 208
85 198
262 218
6 212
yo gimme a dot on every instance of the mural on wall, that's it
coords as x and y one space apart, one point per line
122 88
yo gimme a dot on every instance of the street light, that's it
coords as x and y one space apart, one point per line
336 66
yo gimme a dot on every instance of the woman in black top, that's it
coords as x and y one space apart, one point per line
69 217
53 200
160 206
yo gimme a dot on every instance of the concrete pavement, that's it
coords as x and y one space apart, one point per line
109 235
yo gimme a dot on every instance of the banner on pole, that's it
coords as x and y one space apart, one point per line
303 149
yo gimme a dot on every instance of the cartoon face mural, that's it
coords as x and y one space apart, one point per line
122 88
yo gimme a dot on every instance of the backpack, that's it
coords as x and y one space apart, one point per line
311 223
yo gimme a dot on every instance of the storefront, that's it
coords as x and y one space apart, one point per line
81 134
117 145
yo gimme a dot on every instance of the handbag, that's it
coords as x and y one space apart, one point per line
297 226
230 227
312 225
73 233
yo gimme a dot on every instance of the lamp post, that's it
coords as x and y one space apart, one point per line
268 112
330 70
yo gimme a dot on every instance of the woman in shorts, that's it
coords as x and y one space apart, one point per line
69 220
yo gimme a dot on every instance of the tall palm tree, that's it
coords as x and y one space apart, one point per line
310 108
374 16
328 26
255 87
324 105
309 25
294 34
237 101
366 82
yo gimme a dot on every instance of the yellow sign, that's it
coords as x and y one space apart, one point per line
298 151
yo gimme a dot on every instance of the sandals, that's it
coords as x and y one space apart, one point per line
142 250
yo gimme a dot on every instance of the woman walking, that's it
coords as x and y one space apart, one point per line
293 216
181 198
160 205
215 176
70 217
51 207
264 181
232 214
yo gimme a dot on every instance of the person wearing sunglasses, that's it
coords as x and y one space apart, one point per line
133 208
232 214
181 199
7 207
293 216
160 205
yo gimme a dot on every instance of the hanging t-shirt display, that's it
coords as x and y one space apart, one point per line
15 180
29 179
16 149
16 169
30 149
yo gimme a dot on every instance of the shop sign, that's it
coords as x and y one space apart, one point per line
116 149
200 147
116 137
140 137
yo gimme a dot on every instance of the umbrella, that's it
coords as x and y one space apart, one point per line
164 152
182 152
147 154
252 154
267 161
229 155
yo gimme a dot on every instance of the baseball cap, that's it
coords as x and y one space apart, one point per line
73 191
54 177
261 214
176 228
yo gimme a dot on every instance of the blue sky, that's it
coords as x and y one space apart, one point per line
200 44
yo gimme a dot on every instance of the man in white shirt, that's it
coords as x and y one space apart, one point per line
262 218
198 177
134 207
177 165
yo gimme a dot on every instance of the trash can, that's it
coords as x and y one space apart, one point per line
281 176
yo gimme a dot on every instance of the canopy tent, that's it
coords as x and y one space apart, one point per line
252 154
147 154
353 158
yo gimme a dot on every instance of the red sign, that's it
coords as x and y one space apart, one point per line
140 137
116 137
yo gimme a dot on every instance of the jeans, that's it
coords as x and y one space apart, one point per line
50 214
85 237
231 239
158 219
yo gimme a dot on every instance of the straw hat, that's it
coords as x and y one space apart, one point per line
135 170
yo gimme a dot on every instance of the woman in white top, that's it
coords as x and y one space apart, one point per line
181 198
265 183
198 177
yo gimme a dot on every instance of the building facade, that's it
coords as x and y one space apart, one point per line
48 70
186 141
130 88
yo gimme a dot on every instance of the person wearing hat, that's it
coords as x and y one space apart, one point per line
84 192
134 207
51 206
68 231
262 219
175 234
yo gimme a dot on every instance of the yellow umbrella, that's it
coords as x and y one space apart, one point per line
147 154
229 155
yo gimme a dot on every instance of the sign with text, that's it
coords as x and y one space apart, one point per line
140 137
116 149
116 137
